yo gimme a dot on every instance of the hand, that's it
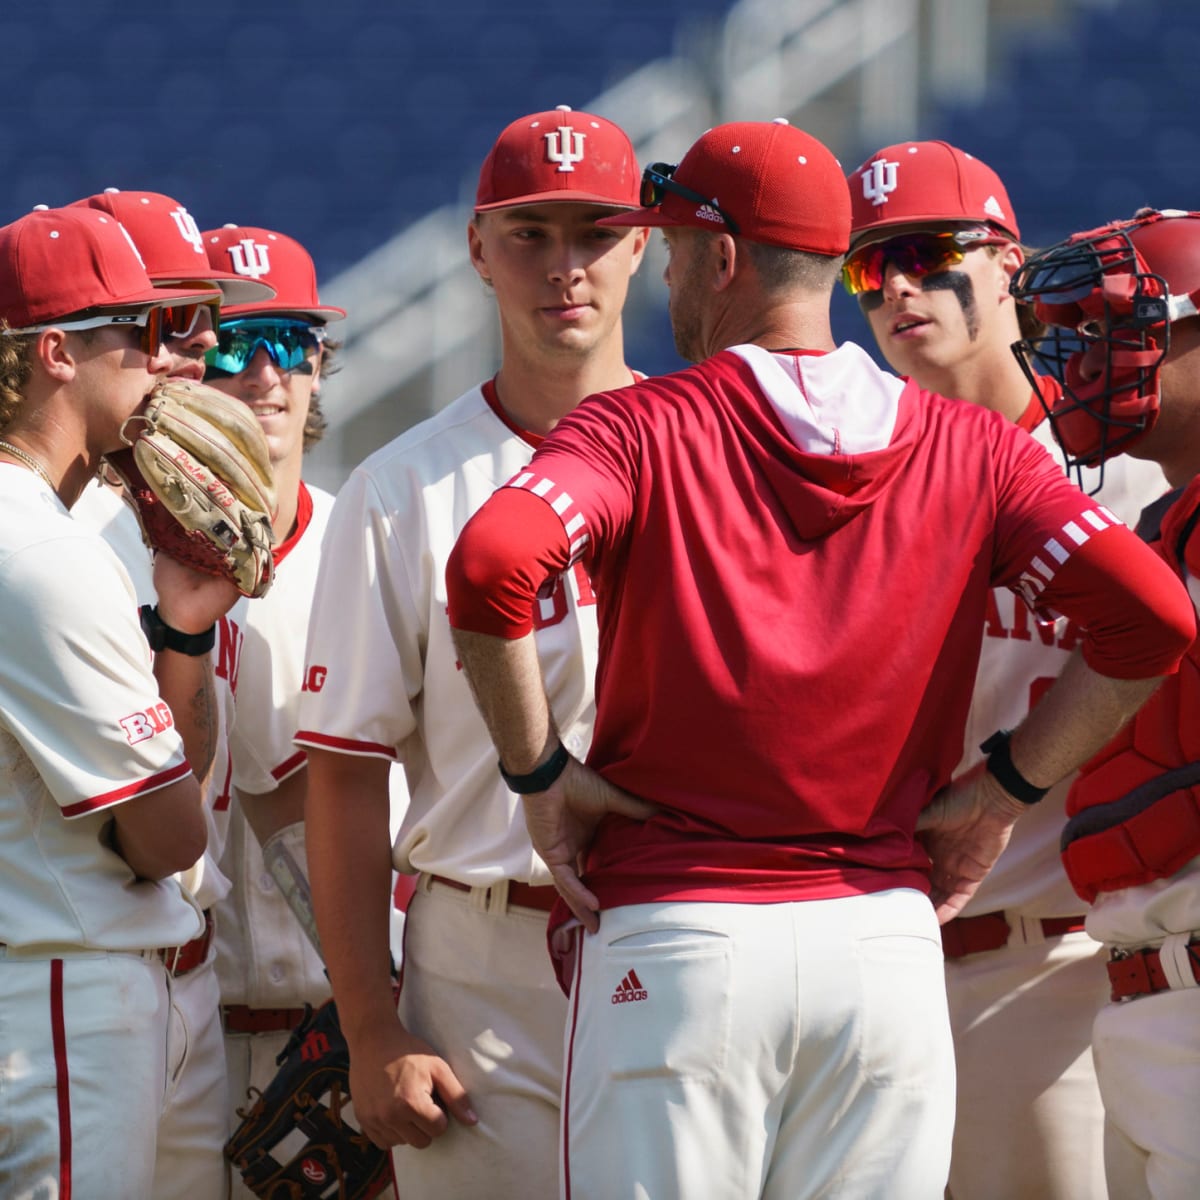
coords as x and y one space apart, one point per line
561 822
189 600
403 1091
964 828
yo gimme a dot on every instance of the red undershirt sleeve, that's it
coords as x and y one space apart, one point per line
504 554
1137 616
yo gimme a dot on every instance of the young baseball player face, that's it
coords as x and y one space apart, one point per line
114 374
937 321
560 280
187 349
278 395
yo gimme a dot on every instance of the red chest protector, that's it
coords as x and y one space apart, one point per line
1135 808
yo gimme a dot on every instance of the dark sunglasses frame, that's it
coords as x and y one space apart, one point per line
657 181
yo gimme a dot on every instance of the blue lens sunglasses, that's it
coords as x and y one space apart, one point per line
287 341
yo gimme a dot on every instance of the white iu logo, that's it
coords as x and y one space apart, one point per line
250 258
188 229
878 180
565 147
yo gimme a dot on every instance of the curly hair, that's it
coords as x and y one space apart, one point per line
317 423
16 365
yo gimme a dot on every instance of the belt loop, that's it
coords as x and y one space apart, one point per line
496 898
1176 962
1029 929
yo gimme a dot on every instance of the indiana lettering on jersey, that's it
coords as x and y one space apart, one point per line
141 726
1019 624
227 659
551 606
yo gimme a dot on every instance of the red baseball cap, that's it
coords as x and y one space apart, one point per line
169 242
274 258
559 155
55 262
916 183
778 184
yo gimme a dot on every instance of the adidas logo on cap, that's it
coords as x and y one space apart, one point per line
707 213
991 206
630 989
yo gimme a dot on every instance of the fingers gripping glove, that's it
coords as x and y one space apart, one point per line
198 474
298 1139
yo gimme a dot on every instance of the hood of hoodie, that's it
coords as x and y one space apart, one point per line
843 428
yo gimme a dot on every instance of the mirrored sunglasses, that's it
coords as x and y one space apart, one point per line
657 181
288 343
183 320
914 254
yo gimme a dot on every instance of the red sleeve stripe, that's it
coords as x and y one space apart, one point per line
105 799
564 507
324 741
1039 573
289 766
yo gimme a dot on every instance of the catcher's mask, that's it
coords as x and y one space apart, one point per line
1107 298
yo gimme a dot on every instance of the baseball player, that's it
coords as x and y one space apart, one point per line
194 1125
465 1080
101 751
1132 844
270 354
934 244
760 1010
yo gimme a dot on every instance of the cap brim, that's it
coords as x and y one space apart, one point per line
558 196
234 289
642 216
161 296
885 232
324 313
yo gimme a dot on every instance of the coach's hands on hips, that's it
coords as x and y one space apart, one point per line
403 1090
964 828
561 822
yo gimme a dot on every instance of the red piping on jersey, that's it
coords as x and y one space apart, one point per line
304 512
130 789
62 1078
345 745
289 766
493 401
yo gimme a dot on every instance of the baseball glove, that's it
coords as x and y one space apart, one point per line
198 475
298 1139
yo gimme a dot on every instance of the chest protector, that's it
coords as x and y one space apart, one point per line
1135 808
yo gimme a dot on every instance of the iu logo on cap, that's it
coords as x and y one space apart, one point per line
878 180
250 258
188 229
565 147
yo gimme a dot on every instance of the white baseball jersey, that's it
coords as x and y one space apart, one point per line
103 510
82 729
380 655
264 959
1020 658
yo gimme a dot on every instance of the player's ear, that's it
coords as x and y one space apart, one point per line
641 239
53 350
724 252
475 248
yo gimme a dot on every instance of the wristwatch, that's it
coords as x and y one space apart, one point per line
162 636
540 778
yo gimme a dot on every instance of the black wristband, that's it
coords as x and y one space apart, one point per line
162 636
540 778
1000 763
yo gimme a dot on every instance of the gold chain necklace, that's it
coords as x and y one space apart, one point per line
28 459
